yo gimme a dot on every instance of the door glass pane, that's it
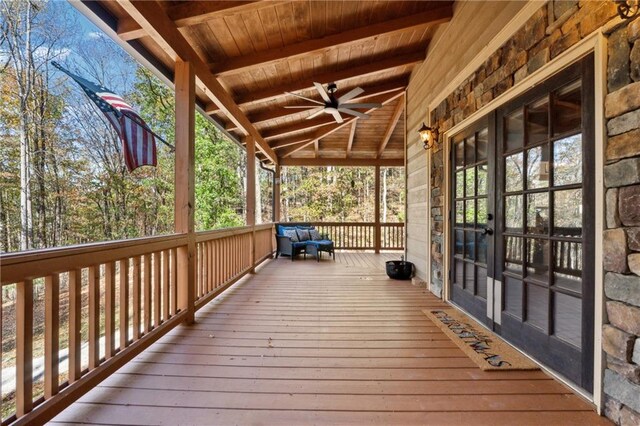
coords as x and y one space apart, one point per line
538 213
538 121
513 172
538 306
513 213
460 184
567 212
538 259
481 282
459 243
470 214
513 128
567 109
567 160
459 155
469 277
513 296
482 141
470 184
513 255
469 245
481 212
481 171
567 265
459 278
470 150
460 213
567 316
481 244
538 167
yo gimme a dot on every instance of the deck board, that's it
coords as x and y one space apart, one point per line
320 343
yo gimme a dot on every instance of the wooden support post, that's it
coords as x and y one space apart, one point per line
376 213
276 195
24 347
251 195
51 334
185 87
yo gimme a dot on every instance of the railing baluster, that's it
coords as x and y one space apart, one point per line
165 285
174 281
94 316
146 290
137 305
24 347
124 303
75 325
157 298
51 334
110 309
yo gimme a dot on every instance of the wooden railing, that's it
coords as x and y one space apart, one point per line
105 303
362 235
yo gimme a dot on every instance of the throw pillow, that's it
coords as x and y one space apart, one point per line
315 235
303 234
291 233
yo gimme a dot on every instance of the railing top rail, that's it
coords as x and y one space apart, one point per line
226 232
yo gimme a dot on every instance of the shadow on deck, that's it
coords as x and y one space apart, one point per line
320 343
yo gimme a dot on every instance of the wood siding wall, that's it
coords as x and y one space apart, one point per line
454 45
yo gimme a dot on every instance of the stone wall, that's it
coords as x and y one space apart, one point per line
549 32
622 236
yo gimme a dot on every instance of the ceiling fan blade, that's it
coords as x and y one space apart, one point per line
304 97
367 106
350 94
353 112
335 114
301 106
315 114
322 92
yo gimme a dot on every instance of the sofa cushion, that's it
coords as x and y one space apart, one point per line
315 235
291 233
303 234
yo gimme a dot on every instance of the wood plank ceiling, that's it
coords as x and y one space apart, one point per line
247 54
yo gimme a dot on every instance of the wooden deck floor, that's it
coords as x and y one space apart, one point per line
321 343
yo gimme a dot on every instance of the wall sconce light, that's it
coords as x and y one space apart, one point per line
628 9
428 136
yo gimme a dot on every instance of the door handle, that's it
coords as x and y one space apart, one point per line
487 231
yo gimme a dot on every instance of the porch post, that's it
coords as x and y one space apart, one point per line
251 194
185 185
376 213
276 195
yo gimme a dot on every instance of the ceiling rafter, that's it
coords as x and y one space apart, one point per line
352 136
348 71
324 133
391 127
305 124
343 162
370 90
316 46
191 13
161 28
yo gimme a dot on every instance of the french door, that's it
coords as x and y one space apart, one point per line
534 256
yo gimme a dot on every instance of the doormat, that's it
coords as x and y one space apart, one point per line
482 346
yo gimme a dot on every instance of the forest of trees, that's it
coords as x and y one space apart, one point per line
62 175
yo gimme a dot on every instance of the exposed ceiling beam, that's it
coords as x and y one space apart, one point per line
373 66
305 124
188 14
391 127
352 135
274 113
157 24
324 132
343 162
289 142
320 45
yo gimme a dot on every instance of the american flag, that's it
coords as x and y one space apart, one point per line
138 141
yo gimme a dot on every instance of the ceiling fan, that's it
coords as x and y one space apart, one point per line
332 105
